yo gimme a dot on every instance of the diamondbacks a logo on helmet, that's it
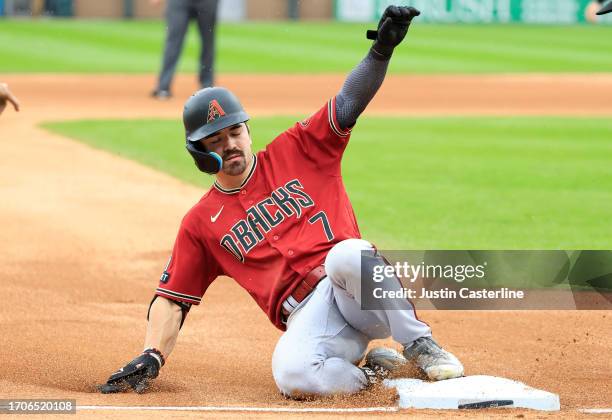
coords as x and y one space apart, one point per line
214 111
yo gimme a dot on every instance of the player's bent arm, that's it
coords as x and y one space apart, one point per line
165 319
364 81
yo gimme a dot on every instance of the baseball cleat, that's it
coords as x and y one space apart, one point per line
380 362
161 94
437 363
374 376
386 358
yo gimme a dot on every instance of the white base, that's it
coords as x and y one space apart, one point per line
454 393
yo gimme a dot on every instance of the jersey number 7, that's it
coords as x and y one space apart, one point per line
325 222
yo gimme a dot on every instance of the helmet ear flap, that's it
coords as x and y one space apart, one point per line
209 162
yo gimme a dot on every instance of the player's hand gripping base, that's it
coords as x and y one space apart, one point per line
392 28
135 375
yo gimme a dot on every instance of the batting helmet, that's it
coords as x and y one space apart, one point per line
207 111
606 9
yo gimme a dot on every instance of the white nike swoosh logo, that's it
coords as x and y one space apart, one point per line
216 216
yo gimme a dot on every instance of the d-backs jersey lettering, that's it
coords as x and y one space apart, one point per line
276 227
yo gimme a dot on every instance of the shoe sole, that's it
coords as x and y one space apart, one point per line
443 372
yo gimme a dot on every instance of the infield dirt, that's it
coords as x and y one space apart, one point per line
85 235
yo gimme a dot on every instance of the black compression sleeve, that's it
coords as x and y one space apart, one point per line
360 87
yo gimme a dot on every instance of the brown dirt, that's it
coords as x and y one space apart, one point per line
85 234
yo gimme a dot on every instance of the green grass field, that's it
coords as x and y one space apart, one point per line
435 183
135 47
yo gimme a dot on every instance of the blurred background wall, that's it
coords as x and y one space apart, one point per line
444 11
229 10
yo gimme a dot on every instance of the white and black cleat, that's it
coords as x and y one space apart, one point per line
437 363
380 362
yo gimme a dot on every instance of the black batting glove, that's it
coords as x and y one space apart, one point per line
136 375
392 29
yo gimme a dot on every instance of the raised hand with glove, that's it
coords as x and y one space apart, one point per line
392 28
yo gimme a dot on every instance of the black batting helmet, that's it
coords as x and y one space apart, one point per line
606 9
207 111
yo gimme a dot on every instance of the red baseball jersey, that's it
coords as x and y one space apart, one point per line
291 209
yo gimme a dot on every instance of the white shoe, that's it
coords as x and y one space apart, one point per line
437 363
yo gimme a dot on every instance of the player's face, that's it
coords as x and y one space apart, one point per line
233 144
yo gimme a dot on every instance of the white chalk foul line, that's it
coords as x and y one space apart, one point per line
596 410
244 409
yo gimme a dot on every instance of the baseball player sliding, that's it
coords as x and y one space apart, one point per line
279 222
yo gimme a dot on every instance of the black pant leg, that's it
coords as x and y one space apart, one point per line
206 18
177 22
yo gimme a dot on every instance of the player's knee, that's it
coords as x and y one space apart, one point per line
298 379
344 260
318 376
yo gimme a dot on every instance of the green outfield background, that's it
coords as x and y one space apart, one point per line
497 183
135 47
435 183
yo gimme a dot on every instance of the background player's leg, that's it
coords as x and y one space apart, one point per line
343 266
318 352
177 21
207 18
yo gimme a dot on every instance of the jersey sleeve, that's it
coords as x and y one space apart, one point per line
189 271
321 139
